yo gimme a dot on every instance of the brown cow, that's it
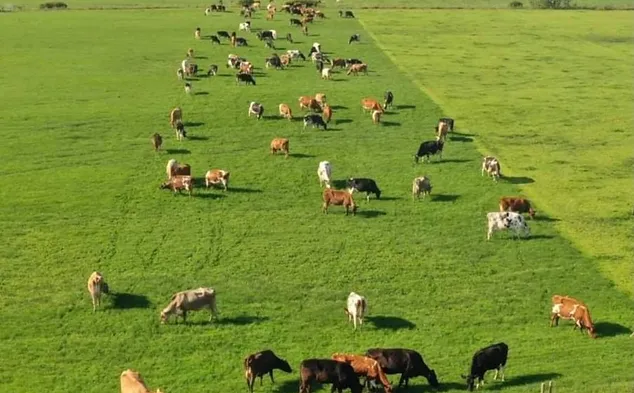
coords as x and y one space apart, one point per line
285 111
356 68
365 366
246 68
214 177
569 308
175 115
280 144
96 286
132 382
178 183
370 104
338 198
173 168
327 113
338 62
516 204
157 141
308 102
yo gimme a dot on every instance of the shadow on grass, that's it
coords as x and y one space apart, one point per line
519 179
539 217
129 300
460 133
337 107
201 93
343 121
244 190
339 80
191 79
390 123
447 386
444 197
207 195
193 124
522 380
538 237
390 198
610 329
392 323
370 213
198 138
301 155
460 139
177 151
241 320
455 161
286 387
405 106
201 57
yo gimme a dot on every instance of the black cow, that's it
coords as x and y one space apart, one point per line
346 14
315 120
241 41
213 70
261 363
406 362
274 61
490 358
341 375
215 39
353 38
364 185
389 98
429 148
221 8
180 130
246 78
350 62
449 121
295 22
223 34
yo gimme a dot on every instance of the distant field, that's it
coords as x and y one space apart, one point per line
85 90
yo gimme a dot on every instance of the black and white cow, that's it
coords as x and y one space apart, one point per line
341 375
449 121
213 70
499 221
350 62
223 34
406 362
354 38
215 39
257 109
364 185
315 120
274 61
490 358
429 148
246 78
346 14
272 34
389 98
241 41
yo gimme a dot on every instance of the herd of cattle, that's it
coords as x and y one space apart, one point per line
343 371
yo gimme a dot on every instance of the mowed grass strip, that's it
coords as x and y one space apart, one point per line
84 196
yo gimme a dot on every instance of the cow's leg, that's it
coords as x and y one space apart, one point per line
354 317
400 381
184 315
261 376
250 382
495 377
502 372
271 375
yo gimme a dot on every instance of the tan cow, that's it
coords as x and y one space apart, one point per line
191 300
365 366
338 198
215 177
177 183
327 113
371 105
175 115
356 68
280 144
132 382
308 102
197 33
190 52
569 308
96 286
173 168
285 111
157 141
421 185
376 116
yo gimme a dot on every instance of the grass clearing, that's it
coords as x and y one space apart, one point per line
84 196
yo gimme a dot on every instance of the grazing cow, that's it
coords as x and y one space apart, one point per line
215 39
340 374
296 54
180 74
267 34
350 62
356 68
356 308
178 183
364 185
157 141
285 111
389 98
274 61
191 300
261 363
245 26
569 308
216 177
441 131
338 198
295 22
376 117
406 362
371 105
325 73
213 70
449 121
491 165
223 34
368 367
280 144
429 148
308 102
516 204
239 41
498 221
327 113
354 38
315 120
175 115
321 98
96 286
173 168
347 14
246 78
132 382
257 109
188 88
181 133
197 33
490 358
285 60
338 62
421 185
324 171
234 61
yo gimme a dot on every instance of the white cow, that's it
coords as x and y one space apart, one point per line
317 46
498 221
190 300
96 286
356 308
184 65
491 166
255 108
207 11
420 185
323 171
325 73
245 26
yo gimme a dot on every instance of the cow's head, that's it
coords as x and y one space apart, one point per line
531 212
164 317
470 381
433 379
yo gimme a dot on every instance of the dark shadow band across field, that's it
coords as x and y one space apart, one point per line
390 322
129 300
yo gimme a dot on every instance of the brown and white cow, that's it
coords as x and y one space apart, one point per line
285 60
191 300
356 68
320 98
516 204
338 198
370 104
376 116
338 62
285 111
132 382
366 367
175 115
569 308
246 68
177 183
96 286
441 130
173 168
308 102
216 177
280 144
491 166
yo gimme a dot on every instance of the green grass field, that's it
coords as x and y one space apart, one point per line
85 91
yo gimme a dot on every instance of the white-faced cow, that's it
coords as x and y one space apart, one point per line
499 221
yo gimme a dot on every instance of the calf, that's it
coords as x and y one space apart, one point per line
285 111
356 68
421 185
354 38
132 382
178 183
246 78
355 309
96 286
216 177
569 308
315 120
516 204
175 169
491 165
389 98
327 113
261 363
367 367
364 185
406 362
280 144
338 198
498 221
191 300
429 148
490 358
157 141
256 109
324 171
341 375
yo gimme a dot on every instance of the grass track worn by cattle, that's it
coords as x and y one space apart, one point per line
84 197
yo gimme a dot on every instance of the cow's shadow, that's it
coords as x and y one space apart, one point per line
241 320
519 179
193 124
370 213
129 300
177 151
286 386
405 106
444 197
389 322
343 121
610 329
244 190
522 380
301 155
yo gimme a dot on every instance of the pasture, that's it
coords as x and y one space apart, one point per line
84 92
